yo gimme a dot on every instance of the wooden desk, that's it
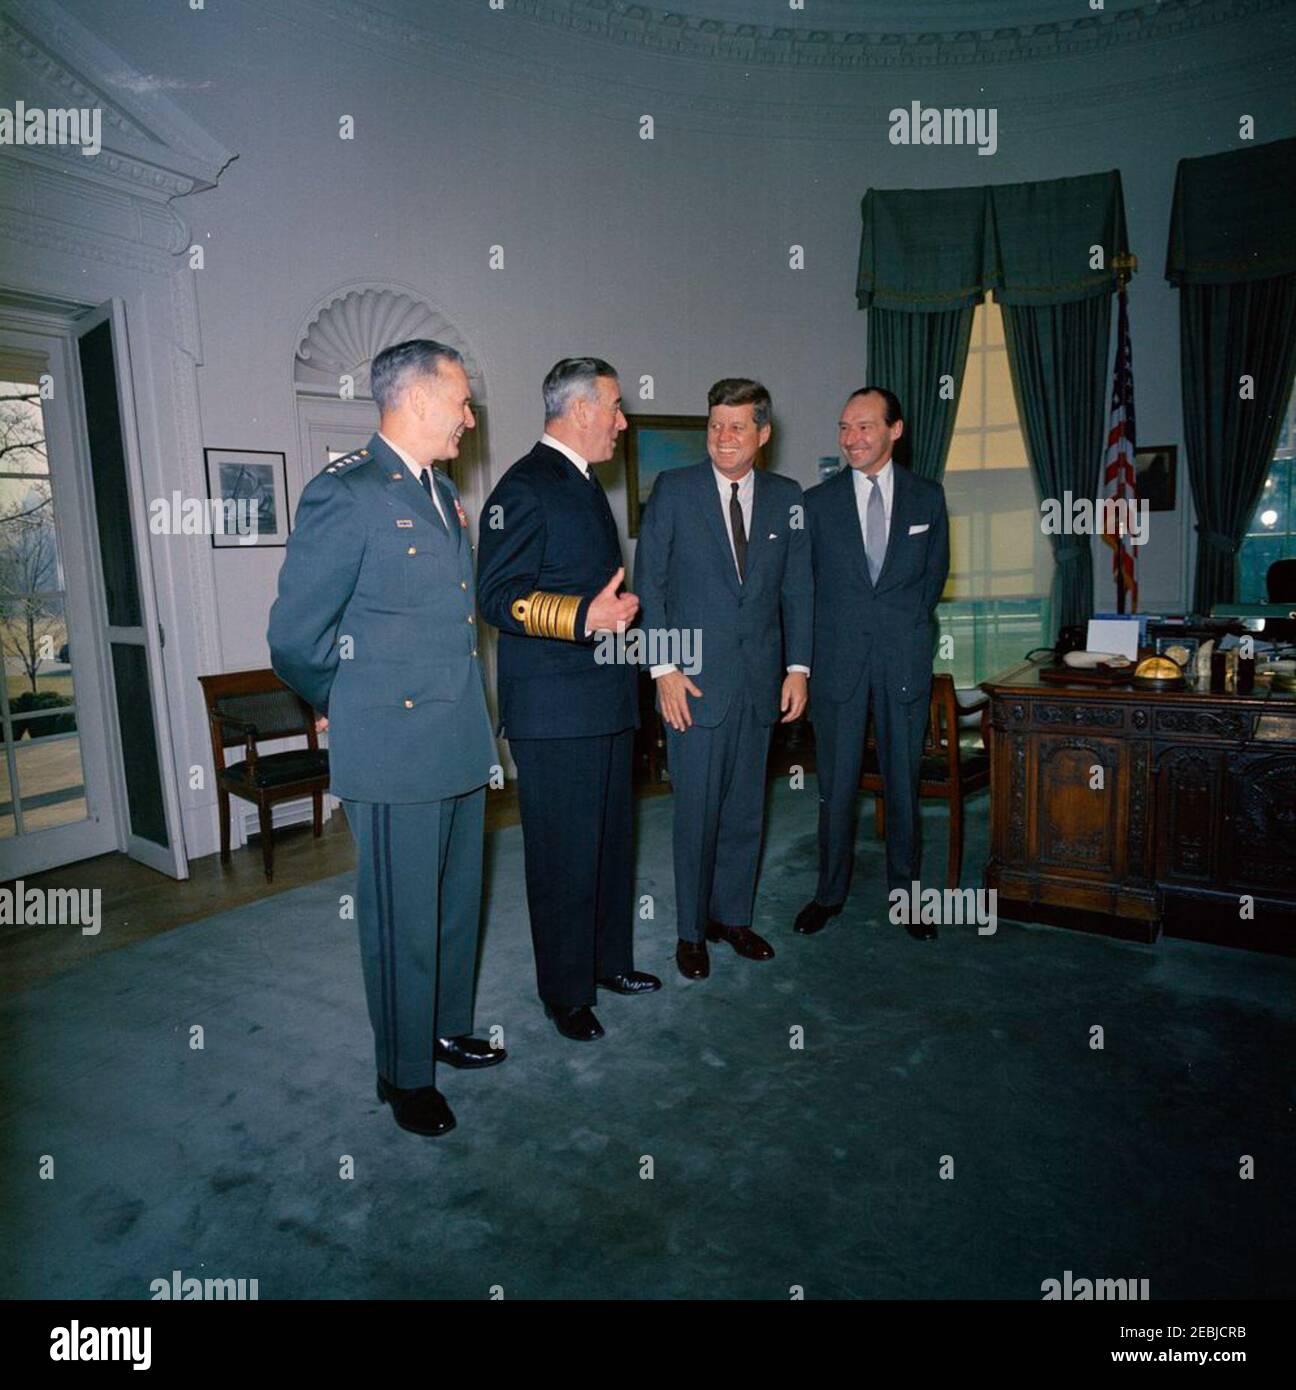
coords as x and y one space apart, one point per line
1128 811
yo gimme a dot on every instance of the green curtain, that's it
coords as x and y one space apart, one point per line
927 257
1057 355
910 354
1232 253
1227 332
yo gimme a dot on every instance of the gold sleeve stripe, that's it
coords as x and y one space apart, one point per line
548 615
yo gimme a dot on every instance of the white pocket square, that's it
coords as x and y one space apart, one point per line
918 530
773 535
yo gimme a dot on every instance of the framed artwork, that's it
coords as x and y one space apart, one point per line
247 496
652 444
1154 476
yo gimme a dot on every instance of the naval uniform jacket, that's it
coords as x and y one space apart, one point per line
547 527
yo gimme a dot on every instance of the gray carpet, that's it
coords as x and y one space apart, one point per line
771 1167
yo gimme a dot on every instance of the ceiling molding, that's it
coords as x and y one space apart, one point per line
673 34
149 144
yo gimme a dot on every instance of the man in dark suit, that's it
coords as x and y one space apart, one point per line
548 576
723 568
374 627
879 538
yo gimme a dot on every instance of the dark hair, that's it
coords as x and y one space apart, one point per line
741 390
396 367
893 412
573 379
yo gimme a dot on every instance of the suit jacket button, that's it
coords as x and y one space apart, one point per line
463 584
471 619
409 704
474 651
411 551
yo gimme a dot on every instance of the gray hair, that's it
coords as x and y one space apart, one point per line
573 379
396 368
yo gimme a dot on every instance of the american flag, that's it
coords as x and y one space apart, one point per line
1118 471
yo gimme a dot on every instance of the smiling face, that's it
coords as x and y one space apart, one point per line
441 403
863 435
734 439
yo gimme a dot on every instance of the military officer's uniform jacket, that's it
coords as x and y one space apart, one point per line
375 625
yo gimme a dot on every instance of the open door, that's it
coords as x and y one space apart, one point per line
151 828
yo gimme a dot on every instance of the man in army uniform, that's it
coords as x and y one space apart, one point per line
374 626
548 576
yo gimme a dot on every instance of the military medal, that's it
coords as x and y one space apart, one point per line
463 518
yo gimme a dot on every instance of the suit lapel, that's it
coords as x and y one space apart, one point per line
713 509
845 514
403 489
763 521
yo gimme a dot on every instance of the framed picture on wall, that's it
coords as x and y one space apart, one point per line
652 444
247 496
1154 476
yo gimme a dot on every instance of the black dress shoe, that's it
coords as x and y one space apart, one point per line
631 982
468 1052
421 1110
921 931
745 941
814 917
692 959
575 1022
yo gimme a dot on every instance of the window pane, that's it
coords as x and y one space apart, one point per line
1007 449
29 555
965 451
22 429
50 781
1001 408
971 406
992 316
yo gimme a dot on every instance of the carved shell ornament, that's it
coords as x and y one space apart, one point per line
348 333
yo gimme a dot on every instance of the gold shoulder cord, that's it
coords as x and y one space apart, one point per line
548 615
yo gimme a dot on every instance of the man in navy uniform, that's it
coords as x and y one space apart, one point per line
375 627
723 554
548 575
879 539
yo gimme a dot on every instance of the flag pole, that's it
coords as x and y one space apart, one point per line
1125 264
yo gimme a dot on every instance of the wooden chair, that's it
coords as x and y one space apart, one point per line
950 770
250 708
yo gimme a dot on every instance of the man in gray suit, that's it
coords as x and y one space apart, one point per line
375 627
879 537
724 558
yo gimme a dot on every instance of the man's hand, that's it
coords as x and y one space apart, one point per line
321 723
607 612
793 699
673 690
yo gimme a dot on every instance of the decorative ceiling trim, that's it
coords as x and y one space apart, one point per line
679 35
148 142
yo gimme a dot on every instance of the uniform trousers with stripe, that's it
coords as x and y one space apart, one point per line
577 827
718 782
418 911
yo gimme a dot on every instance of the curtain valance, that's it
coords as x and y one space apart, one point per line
1234 216
930 250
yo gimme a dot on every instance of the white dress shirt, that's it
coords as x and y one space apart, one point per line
886 486
569 452
746 492
416 469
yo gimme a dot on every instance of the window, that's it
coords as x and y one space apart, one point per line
996 603
1272 533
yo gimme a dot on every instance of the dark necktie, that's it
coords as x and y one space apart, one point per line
739 532
425 477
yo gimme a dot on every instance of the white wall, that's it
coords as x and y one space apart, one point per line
668 257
